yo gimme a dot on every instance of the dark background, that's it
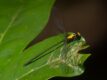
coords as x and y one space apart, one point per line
89 18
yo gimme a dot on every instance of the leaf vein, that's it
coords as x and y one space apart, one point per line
10 24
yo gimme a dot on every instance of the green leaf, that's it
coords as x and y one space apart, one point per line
40 65
20 22
44 68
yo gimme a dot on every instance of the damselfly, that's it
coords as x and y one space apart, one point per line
69 49
68 52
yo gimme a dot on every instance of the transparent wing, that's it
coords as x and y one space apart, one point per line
44 53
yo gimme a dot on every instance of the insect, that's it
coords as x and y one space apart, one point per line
70 37
69 48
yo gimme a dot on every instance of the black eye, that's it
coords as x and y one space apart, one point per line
78 37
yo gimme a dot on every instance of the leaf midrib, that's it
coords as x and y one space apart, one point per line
10 24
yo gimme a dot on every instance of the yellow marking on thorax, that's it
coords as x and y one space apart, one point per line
71 36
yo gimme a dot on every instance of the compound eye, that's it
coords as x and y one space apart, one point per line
78 36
